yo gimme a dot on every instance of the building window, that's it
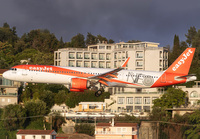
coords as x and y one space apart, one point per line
71 55
101 47
129 108
101 56
139 63
109 47
124 129
161 54
194 94
138 100
129 100
138 108
119 130
146 108
146 100
120 100
43 137
139 54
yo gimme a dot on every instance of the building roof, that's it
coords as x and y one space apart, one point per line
118 124
36 132
2 71
125 124
103 124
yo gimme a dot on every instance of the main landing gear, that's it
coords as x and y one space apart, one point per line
98 93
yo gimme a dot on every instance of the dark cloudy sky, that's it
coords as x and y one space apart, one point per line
120 20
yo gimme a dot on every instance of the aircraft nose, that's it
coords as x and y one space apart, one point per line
6 75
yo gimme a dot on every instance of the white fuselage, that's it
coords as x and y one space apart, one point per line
126 78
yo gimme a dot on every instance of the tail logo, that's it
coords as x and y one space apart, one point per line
182 60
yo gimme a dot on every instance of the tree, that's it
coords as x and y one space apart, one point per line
73 98
85 128
35 108
57 121
101 39
190 35
127 118
176 51
48 98
60 97
78 41
91 39
14 116
110 41
195 66
159 114
55 88
173 98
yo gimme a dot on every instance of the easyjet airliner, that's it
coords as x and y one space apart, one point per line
80 79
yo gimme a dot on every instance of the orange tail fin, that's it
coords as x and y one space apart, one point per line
182 64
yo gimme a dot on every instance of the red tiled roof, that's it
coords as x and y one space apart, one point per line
103 124
125 124
35 132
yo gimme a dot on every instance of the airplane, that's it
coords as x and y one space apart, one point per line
80 79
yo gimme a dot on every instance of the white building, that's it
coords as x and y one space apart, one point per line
131 102
143 56
116 130
36 134
193 94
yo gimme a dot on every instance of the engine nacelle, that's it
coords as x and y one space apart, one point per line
79 85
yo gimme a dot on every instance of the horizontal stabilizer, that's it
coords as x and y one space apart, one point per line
186 76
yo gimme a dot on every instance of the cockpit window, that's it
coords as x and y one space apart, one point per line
13 69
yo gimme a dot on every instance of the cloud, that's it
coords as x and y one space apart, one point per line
146 20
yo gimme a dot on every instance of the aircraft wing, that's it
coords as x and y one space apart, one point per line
105 77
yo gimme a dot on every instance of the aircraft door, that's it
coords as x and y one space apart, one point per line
24 71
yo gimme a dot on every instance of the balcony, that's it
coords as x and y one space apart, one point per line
115 133
71 57
8 94
86 57
79 57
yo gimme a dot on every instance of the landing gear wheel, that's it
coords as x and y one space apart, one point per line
98 93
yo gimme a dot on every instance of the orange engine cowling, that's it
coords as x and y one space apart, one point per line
79 85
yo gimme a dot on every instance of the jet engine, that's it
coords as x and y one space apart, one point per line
79 85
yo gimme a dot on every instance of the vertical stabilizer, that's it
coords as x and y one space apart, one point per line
182 64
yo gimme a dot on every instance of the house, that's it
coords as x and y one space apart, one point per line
8 90
116 130
36 134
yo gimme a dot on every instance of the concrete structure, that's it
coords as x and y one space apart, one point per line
116 130
36 134
143 56
149 130
8 91
180 111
